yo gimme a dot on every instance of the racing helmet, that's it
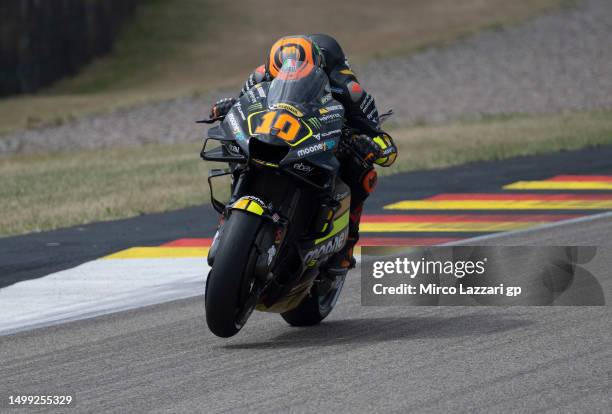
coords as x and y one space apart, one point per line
297 48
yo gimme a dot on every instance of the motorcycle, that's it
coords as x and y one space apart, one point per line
288 211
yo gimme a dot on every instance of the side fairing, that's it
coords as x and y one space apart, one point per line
235 122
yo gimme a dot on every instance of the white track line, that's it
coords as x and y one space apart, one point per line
99 287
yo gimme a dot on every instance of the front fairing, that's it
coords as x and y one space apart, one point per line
298 116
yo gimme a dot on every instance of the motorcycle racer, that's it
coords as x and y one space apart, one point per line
373 145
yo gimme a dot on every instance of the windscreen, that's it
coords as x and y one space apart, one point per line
297 83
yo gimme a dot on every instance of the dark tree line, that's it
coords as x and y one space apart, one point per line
44 40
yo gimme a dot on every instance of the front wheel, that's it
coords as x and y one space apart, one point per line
316 306
230 283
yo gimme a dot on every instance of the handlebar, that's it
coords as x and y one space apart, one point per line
210 120
383 117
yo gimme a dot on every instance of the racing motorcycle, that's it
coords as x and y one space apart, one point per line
288 211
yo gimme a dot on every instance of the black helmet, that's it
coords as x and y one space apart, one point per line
330 49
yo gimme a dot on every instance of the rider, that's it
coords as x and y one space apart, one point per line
372 144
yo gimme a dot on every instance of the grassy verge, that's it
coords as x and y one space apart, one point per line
44 192
179 47
497 138
50 191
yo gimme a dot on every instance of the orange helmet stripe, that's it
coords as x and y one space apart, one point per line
299 48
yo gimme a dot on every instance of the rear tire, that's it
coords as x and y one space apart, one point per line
315 307
231 276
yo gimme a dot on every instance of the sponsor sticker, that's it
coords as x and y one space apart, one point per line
289 108
234 124
255 107
330 144
302 167
332 132
233 148
342 196
330 117
333 245
256 199
313 149
373 114
238 107
388 151
335 108
316 124
366 103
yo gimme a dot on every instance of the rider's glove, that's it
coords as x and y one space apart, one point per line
222 107
366 148
387 148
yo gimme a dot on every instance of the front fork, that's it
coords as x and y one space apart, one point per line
276 220
270 241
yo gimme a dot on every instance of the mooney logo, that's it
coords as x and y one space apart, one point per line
329 247
236 129
323 146
312 149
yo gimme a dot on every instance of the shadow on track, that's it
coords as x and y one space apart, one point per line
373 330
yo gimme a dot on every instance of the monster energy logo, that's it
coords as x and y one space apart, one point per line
314 122
254 107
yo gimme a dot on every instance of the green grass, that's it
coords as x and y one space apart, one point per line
50 191
498 137
44 192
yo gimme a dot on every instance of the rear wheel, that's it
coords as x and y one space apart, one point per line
316 306
230 283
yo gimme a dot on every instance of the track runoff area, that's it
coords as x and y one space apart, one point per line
493 203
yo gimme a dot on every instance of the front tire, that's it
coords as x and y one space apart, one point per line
230 280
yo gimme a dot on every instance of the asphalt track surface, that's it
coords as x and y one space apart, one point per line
362 359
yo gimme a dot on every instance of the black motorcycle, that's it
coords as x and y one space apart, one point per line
288 211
